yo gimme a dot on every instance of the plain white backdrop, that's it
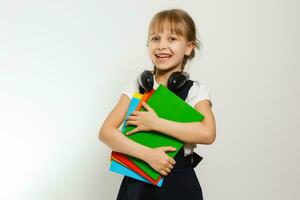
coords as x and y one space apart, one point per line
64 63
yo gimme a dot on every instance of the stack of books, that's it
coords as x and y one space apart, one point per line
166 105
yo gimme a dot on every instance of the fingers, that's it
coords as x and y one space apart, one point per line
146 106
131 117
130 122
171 161
167 166
170 164
165 149
135 113
133 131
162 172
166 169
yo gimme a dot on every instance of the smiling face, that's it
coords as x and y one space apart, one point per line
167 48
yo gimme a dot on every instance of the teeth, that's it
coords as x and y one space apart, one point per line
163 56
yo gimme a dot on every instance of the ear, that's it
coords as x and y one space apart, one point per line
189 48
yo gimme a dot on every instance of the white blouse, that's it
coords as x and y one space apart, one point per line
198 92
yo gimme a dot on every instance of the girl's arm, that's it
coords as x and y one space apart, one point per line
114 138
193 132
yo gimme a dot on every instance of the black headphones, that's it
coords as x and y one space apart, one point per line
175 82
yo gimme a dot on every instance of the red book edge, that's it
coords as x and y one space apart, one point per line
144 98
121 158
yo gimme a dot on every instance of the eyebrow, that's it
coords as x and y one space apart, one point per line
169 34
154 33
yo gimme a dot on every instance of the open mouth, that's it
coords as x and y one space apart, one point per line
163 56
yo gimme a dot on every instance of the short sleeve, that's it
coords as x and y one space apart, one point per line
131 87
198 92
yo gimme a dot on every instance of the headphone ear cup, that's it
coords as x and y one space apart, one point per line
177 80
146 80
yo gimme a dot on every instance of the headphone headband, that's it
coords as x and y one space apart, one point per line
175 82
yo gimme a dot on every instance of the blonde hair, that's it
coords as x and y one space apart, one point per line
180 23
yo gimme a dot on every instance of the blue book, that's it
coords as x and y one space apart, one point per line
121 169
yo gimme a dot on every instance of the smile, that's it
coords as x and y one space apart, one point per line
163 56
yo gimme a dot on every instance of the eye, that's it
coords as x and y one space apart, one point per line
173 38
154 38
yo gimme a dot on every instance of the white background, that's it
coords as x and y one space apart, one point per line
64 63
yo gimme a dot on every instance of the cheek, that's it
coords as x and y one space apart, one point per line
151 52
180 52
184 50
179 48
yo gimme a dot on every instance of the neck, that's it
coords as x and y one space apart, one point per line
162 77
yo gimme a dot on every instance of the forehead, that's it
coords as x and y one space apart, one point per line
166 25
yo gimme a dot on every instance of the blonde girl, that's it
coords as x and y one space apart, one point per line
171 43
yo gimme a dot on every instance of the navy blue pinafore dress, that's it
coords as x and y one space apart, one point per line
180 184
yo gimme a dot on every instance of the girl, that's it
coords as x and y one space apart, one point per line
171 43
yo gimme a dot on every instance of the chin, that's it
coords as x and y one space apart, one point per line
162 67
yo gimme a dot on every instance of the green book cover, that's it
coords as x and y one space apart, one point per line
169 106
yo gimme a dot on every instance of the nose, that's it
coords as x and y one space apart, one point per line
162 45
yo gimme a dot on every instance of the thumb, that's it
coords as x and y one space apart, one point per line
132 131
169 148
145 105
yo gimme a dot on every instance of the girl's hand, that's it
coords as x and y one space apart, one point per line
144 120
159 160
